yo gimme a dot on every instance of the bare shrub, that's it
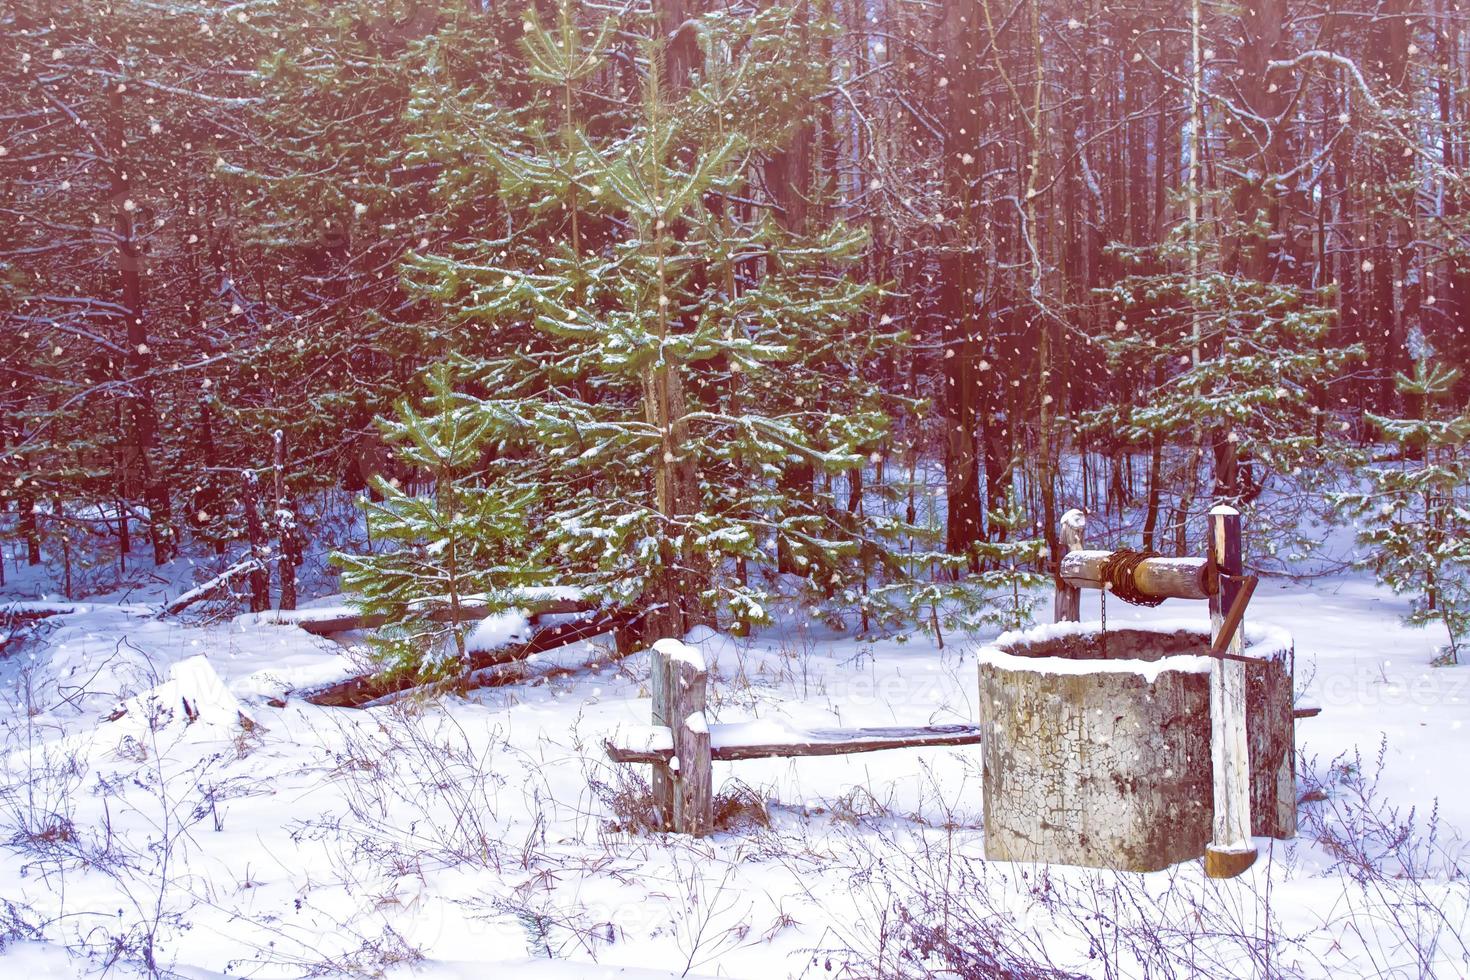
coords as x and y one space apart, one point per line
419 790
17 924
626 794
1412 882
627 797
373 957
740 806
928 911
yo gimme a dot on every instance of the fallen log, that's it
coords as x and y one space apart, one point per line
18 613
341 619
356 692
199 593
19 619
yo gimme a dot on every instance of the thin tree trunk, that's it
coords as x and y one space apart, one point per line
288 535
1155 490
260 583
142 413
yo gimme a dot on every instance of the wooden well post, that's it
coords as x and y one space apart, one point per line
1068 606
1231 850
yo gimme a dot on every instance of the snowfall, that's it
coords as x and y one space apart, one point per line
253 834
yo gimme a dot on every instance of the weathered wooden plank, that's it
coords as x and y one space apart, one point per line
847 741
652 744
1172 578
689 765
763 740
1231 851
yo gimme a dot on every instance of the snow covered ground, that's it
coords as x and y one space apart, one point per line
488 836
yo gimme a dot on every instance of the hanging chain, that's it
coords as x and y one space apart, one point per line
1120 569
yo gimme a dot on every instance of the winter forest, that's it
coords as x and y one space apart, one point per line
660 488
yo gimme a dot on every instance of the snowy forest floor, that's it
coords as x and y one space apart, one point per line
488 835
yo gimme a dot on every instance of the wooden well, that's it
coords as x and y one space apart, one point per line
1097 751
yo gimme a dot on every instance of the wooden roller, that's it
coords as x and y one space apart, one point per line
1168 578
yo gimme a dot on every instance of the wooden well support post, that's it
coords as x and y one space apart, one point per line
1231 850
1220 578
1068 605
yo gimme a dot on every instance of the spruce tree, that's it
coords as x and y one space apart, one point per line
654 339
1233 363
461 542
1414 516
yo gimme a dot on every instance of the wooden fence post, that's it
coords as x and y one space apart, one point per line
682 788
1231 851
1068 605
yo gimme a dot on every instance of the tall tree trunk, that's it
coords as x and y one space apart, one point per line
959 284
288 534
1255 147
682 577
680 41
29 528
1395 263
142 416
260 582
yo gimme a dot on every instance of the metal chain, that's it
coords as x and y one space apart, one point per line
1118 571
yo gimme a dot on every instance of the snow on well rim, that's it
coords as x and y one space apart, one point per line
1262 640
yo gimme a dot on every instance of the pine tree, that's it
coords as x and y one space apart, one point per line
656 343
462 542
1415 515
1231 362
994 583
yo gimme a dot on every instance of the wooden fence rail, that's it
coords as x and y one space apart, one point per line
681 743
